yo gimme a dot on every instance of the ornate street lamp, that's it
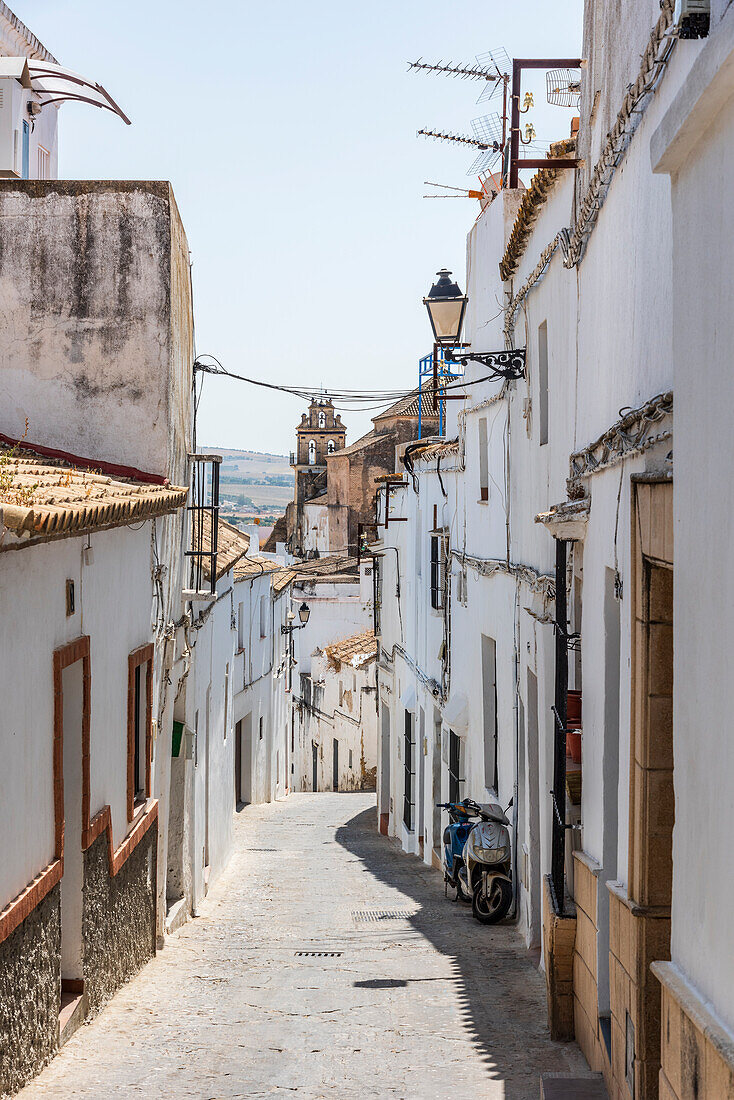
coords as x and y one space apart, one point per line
303 613
446 306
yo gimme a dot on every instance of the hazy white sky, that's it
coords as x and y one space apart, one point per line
288 132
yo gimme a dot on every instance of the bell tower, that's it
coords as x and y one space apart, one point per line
319 434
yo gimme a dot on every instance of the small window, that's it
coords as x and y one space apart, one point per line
350 760
44 163
408 800
261 728
139 719
483 460
263 616
312 452
543 382
455 780
139 726
489 706
241 627
438 569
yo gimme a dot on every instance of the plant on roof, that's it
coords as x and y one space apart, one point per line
10 491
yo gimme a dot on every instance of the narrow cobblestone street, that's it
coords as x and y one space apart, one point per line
424 1004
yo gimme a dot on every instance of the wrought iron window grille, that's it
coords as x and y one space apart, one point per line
203 501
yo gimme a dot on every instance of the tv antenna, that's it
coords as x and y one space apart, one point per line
490 131
487 138
563 87
493 67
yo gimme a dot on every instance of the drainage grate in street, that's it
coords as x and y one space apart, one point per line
382 914
318 954
262 849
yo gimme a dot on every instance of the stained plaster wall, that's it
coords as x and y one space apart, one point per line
96 323
315 527
345 698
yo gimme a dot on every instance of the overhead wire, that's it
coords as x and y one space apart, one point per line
366 399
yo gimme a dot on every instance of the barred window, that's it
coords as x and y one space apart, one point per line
439 546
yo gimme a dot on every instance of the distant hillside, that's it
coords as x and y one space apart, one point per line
252 485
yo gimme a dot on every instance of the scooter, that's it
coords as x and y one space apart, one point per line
486 865
455 837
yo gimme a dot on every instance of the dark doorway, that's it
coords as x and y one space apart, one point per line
238 764
455 779
335 767
314 766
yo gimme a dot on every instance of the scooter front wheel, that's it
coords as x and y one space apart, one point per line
496 905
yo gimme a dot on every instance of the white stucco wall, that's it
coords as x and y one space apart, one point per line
114 598
694 146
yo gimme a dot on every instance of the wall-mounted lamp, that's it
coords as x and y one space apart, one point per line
446 307
304 612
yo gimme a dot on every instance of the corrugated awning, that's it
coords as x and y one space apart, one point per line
55 84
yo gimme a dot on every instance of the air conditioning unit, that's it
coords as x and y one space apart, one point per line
692 18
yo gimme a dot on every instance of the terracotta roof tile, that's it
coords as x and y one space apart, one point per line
250 568
408 406
357 651
232 544
46 498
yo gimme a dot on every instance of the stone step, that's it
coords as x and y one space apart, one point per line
561 1086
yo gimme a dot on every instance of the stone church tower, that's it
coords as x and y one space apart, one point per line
320 434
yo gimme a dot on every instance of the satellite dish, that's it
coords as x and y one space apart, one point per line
563 87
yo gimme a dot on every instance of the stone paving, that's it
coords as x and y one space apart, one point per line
422 1003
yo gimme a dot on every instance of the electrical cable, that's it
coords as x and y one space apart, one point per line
341 399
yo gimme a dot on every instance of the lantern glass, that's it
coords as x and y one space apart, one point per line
446 306
303 613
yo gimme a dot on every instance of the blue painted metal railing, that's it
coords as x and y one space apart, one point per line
447 372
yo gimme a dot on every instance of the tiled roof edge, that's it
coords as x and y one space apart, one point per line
536 195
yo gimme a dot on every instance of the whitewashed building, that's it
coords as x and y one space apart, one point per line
336 718
261 681
83 735
535 565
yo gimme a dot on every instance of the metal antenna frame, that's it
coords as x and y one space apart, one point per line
516 161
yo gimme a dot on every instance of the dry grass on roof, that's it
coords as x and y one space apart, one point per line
357 651
48 498
536 195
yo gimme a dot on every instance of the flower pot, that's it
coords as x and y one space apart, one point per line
573 708
573 745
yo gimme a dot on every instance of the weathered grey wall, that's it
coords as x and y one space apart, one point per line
95 321
118 924
30 994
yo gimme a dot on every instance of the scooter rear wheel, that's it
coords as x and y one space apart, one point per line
491 909
461 894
